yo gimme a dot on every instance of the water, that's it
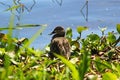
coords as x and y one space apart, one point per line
100 13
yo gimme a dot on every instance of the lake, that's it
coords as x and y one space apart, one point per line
68 14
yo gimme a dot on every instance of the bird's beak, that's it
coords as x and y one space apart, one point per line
52 33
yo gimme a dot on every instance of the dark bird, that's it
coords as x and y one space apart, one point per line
59 44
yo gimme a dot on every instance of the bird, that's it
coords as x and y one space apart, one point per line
59 44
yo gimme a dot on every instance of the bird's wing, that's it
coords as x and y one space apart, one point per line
60 46
67 48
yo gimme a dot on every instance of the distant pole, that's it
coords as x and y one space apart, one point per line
85 15
59 2
86 10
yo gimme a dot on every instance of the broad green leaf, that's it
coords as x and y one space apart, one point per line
81 28
109 76
2 51
111 37
93 37
69 33
118 28
75 73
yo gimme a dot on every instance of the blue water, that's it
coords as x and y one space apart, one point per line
100 13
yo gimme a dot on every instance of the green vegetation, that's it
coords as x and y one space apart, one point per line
93 58
97 58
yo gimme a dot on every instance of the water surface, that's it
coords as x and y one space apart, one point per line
100 13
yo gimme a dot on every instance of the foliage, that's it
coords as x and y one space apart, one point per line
118 28
109 76
89 61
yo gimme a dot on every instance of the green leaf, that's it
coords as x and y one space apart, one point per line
35 36
7 28
93 37
7 61
85 63
13 7
75 73
118 28
81 28
22 26
102 65
69 33
109 76
111 37
30 25
2 52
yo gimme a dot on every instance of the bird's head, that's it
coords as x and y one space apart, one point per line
58 31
